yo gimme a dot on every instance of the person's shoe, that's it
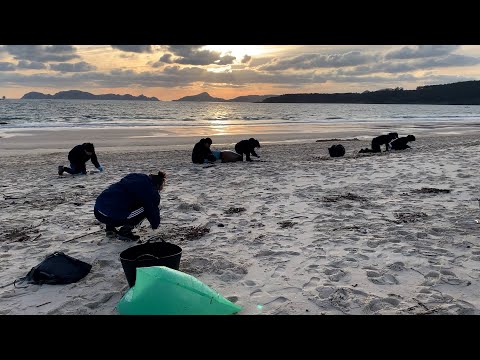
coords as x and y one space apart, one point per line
111 234
127 235
60 170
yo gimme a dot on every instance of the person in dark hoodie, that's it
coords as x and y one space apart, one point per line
128 202
201 152
380 140
401 143
247 147
78 156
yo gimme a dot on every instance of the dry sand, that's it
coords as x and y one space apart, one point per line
318 235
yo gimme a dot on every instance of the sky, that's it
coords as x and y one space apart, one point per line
169 72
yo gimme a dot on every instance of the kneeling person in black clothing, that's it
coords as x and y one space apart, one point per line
378 141
128 202
247 147
78 156
201 152
401 143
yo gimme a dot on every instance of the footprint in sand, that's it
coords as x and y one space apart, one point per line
431 278
325 291
397 266
311 284
250 283
279 270
336 275
276 302
379 279
256 293
375 305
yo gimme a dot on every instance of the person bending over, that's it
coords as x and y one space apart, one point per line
247 147
201 152
378 141
78 156
401 143
128 202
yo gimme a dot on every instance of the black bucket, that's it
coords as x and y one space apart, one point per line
149 254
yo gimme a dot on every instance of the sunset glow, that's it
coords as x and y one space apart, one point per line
169 72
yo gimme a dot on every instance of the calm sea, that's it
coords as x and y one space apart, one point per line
80 113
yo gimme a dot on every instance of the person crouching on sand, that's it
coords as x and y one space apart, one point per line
247 147
201 152
401 143
380 140
128 202
78 156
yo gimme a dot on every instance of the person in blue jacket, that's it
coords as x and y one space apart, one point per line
128 202
78 156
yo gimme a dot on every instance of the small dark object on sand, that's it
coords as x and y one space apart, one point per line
410 217
427 190
234 210
336 150
348 196
221 225
196 232
286 224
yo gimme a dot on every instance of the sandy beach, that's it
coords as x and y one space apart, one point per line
310 234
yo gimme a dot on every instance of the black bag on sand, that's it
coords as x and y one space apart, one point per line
57 268
336 150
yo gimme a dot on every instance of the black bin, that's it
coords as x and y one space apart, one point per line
149 254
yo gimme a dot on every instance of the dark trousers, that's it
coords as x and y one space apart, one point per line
240 152
376 147
126 224
76 168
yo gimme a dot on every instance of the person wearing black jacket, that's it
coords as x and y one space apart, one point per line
247 147
380 140
78 156
401 143
128 202
201 152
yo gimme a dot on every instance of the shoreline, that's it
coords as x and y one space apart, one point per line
35 140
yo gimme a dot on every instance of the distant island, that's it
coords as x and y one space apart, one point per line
460 93
206 97
201 97
82 95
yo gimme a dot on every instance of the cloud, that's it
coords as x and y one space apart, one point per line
24 64
134 48
451 60
421 51
164 59
193 55
128 56
81 66
171 76
184 50
226 60
6 66
42 53
246 59
256 62
312 61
